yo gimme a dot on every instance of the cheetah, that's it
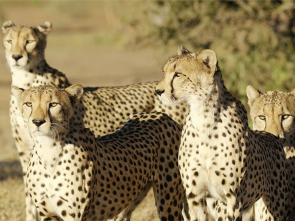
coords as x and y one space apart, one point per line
274 112
101 109
72 175
219 154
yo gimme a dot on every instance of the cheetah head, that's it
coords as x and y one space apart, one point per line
24 45
46 110
185 74
272 111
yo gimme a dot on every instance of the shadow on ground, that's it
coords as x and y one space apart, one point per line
11 169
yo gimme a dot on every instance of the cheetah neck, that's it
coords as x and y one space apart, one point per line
217 107
26 77
48 149
22 78
201 115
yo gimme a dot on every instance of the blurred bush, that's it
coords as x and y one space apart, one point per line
254 40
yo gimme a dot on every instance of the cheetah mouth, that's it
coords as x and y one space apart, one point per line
169 100
19 66
40 133
37 131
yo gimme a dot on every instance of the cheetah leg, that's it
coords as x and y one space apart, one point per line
249 215
125 215
58 208
52 218
290 165
185 212
168 189
214 207
229 211
31 211
234 208
268 210
68 216
274 204
218 211
197 207
168 203
261 211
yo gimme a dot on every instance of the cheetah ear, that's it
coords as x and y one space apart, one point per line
46 28
182 50
252 94
209 59
16 92
75 91
293 91
6 25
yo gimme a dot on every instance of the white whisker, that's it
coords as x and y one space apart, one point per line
53 131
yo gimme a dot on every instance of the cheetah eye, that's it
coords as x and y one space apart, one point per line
285 116
29 41
9 41
177 74
28 104
261 117
53 104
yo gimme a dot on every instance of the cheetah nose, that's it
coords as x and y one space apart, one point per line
38 123
17 57
159 92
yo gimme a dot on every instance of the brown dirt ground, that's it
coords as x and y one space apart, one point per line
81 46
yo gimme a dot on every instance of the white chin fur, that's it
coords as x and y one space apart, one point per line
20 64
41 133
169 102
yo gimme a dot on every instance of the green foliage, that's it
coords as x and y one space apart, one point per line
254 40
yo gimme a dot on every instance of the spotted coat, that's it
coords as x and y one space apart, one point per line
101 109
72 175
274 112
220 156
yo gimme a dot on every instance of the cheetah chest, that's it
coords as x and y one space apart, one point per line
22 78
57 183
205 160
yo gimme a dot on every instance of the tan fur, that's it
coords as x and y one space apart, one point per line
58 102
278 109
26 42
